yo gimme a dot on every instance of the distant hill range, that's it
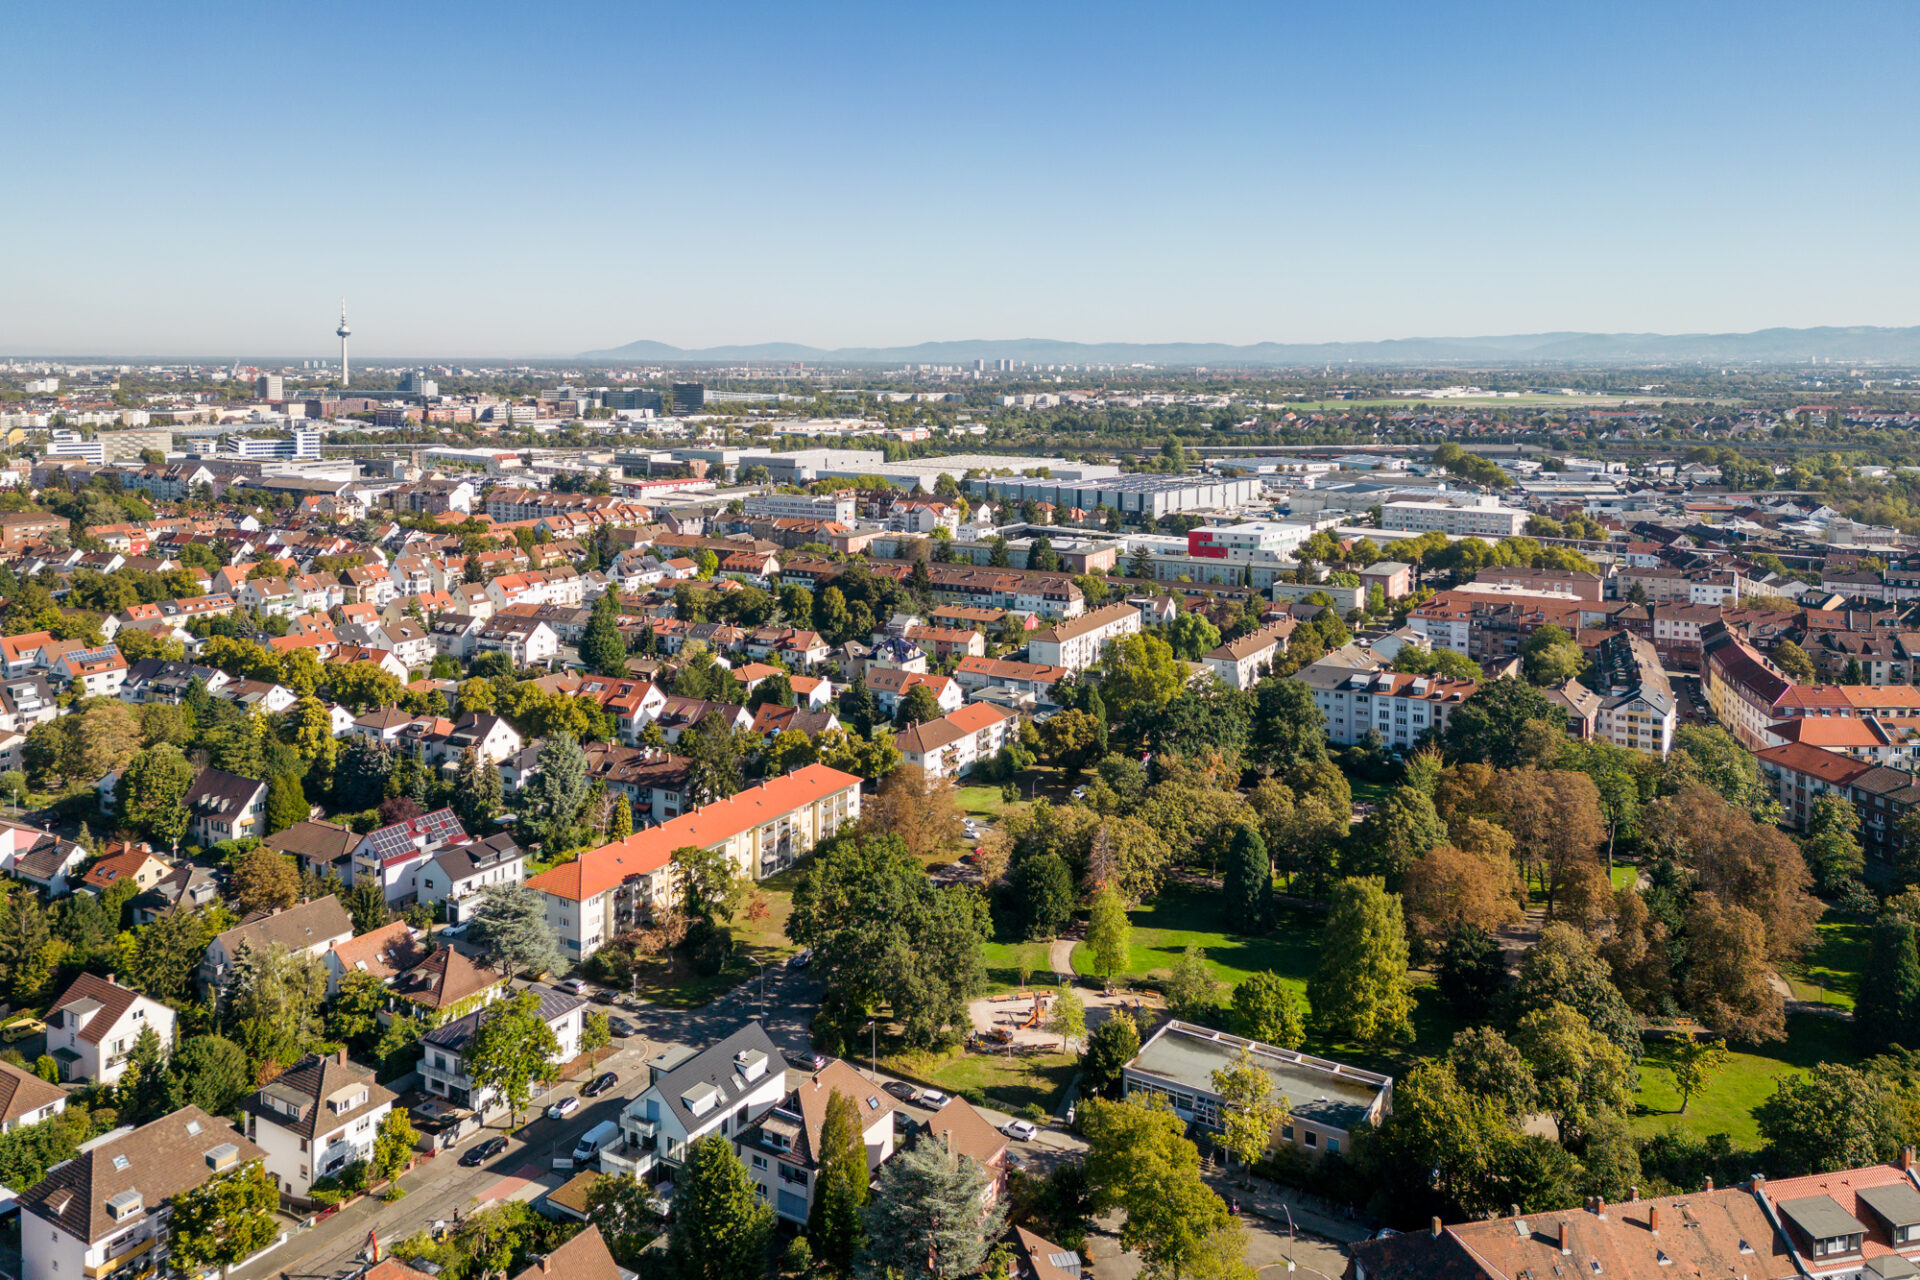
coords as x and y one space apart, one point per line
1769 346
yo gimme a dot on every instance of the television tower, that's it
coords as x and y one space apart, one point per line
343 331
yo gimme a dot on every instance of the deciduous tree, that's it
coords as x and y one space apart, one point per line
512 1047
1362 992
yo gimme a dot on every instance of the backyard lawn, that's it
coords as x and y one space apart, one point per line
1726 1105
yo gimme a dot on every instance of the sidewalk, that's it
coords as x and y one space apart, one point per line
1310 1213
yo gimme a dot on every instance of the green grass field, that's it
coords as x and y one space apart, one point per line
1184 917
1373 793
983 802
1003 965
1830 973
1009 1082
1726 1106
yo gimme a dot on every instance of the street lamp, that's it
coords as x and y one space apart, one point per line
873 1047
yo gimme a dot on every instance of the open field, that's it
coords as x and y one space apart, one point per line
1726 1106
1830 973
1012 1081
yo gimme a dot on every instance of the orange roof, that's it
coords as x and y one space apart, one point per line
1831 733
598 870
1830 767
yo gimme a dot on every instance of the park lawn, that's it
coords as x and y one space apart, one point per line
1624 877
766 938
1009 1082
1003 965
1184 916
670 981
1373 793
1830 972
1726 1105
984 802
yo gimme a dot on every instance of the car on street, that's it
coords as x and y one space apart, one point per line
603 996
600 1084
902 1090
800 959
576 986
1021 1130
1079 793
806 1061
563 1108
622 1028
483 1153
933 1099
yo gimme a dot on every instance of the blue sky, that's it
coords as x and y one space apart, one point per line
489 179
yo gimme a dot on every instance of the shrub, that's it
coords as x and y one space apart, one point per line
1035 1112
799 1256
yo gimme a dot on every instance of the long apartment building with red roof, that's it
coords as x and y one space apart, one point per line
607 891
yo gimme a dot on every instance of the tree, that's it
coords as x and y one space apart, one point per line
1887 1010
1070 740
147 1090
1191 988
477 792
1042 894
1832 844
920 705
1447 887
510 926
924 1221
601 647
1397 834
710 882
840 1185
1695 1062
1110 1046
393 1145
228 1218
1486 1062
554 796
512 1047
153 793
1264 1008
1251 1108
596 1031
1191 636
265 880
883 934
1067 1018
1493 725
1288 729
620 825
360 773
716 754
620 1205
720 1229
1247 886
1362 992
1564 967
923 811
1794 662
1550 657
1109 933
1580 1074
353 1015
1141 675
1137 1160
286 803
1729 982
1831 1117
213 1072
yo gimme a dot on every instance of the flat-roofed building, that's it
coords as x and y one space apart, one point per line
1326 1100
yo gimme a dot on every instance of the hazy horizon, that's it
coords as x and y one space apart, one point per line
490 180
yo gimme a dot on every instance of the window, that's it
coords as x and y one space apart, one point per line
1312 1139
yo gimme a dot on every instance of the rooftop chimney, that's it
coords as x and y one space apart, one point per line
1513 1211
1633 1192
1709 1185
1906 1158
1564 1248
1433 1228
1599 1207
1653 1219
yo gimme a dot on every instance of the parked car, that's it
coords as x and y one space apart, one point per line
622 1028
603 996
600 1084
483 1153
902 1090
1079 793
563 1108
933 1099
806 1061
21 1028
1021 1130
577 986
800 959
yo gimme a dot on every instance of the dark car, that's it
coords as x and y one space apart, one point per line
806 1061
484 1152
901 1090
622 1028
603 996
601 1083
800 959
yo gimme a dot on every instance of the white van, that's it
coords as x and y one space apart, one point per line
593 1139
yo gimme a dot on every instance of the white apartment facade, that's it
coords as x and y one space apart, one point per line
1079 643
1400 706
1488 521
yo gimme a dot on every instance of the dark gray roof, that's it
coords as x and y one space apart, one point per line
217 791
554 1005
714 1066
465 860
1897 1203
1821 1218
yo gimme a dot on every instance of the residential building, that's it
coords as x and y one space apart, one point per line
1801 774
26 1099
955 744
1394 578
456 875
94 1023
314 1119
442 1050
782 1152
1478 521
765 829
392 855
724 1090
1399 705
310 928
1326 1100
1745 691
968 1133
50 864
890 686
107 1210
1078 643
444 986
225 806
383 953
320 847
1638 709
527 643
975 674
1238 663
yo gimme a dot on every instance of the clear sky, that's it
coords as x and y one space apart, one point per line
543 178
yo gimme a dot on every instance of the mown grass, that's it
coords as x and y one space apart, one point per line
1009 1082
1726 1104
1830 973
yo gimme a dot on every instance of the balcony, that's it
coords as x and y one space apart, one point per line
138 1256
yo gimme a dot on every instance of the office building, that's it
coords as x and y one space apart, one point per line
1478 521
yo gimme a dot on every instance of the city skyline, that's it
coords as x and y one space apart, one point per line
844 177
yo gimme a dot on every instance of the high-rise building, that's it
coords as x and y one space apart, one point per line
416 383
688 396
270 386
